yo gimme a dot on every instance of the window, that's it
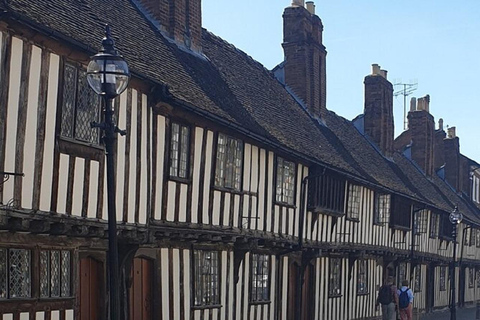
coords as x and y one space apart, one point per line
229 162
15 273
179 150
401 216
402 272
443 278
477 236
334 284
206 273
434 225
55 273
478 278
475 187
473 234
326 192
80 106
471 277
418 279
362 277
285 181
353 205
420 222
259 285
382 208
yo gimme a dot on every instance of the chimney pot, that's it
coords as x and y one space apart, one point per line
310 7
375 68
383 73
440 124
413 104
298 3
451 132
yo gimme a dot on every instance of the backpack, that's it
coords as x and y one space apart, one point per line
385 295
403 299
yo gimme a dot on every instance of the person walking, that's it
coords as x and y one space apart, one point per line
405 301
388 299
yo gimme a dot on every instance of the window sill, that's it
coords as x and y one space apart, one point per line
80 149
286 205
399 227
179 179
329 212
334 296
353 219
206 307
230 190
259 302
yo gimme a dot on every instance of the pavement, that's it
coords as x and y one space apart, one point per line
462 314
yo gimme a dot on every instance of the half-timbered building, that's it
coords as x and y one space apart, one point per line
239 195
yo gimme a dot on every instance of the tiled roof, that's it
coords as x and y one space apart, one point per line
233 87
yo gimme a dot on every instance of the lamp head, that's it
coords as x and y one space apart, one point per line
107 72
455 216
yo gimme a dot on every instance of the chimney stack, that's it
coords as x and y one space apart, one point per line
378 111
181 20
452 158
422 131
305 56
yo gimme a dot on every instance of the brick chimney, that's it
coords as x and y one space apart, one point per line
439 148
305 55
181 20
422 131
452 158
378 112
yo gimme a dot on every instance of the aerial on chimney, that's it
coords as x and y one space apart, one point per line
310 7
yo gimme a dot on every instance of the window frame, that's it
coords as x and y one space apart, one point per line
362 274
60 274
434 225
7 276
443 278
420 221
354 201
265 274
382 207
221 165
477 273
417 285
79 91
183 149
281 192
200 285
335 277
471 277
402 272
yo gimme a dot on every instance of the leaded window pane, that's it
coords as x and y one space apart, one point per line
402 272
334 285
418 279
285 181
80 106
69 98
179 150
259 287
206 273
443 281
354 200
55 273
229 162
184 142
19 273
3 273
174 149
434 225
362 284
66 274
478 278
471 277
382 208
420 222
44 274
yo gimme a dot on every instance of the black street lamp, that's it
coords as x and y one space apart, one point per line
108 75
455 218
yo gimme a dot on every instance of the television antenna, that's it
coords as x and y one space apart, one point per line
404 89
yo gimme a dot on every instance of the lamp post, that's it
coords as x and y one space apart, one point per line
108 76
455 218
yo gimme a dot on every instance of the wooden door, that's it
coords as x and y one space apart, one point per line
430 294
141 293
308 294
91 281
293 297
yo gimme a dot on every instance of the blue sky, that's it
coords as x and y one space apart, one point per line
435 43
